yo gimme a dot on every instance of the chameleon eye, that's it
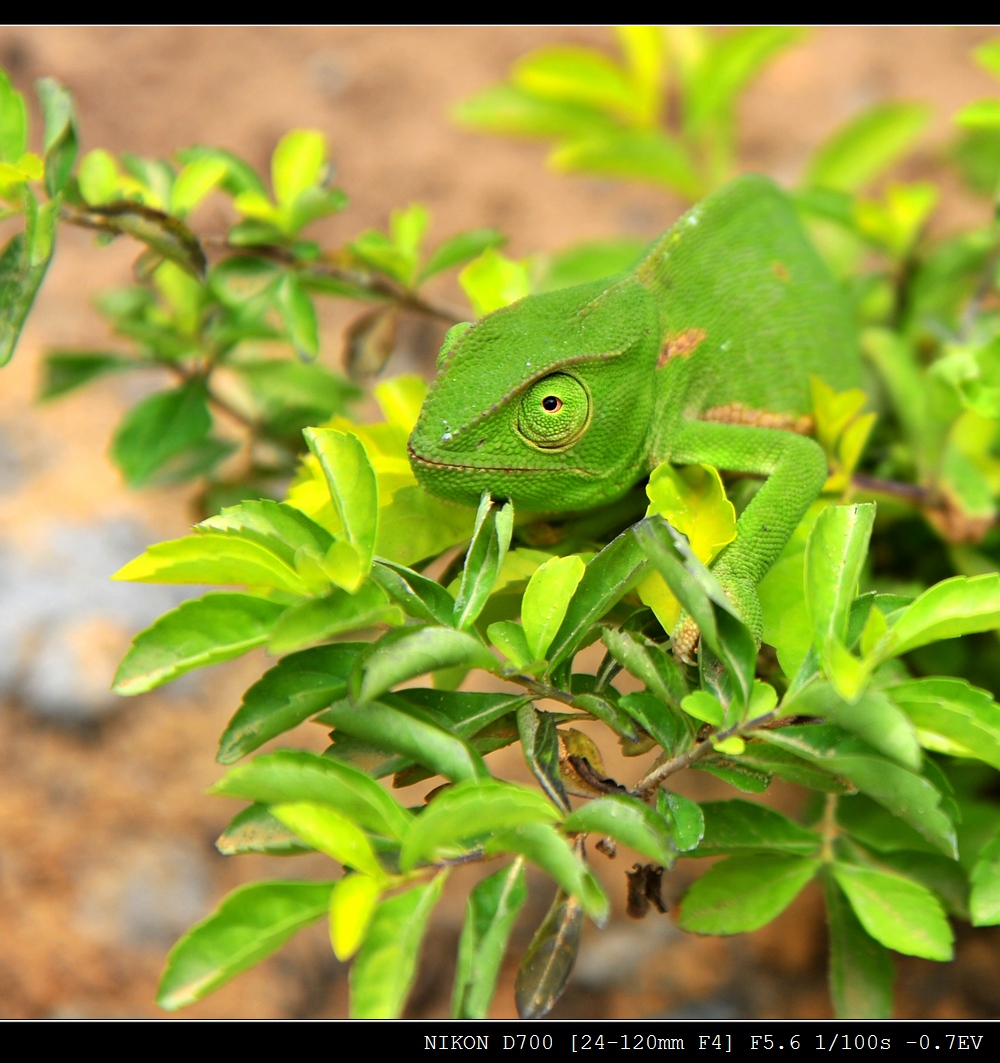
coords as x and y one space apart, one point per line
554 412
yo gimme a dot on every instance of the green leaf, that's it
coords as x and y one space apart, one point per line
835 552
416 653
731 62
742 827
983 114
162 233
873 718
703 706
466 713
66 370
298 315
508 637
942 876
953 607
298 687
490 541
543 846
952 717
255 830
197 633
491 911
22 269
418 525
507 109
384 969
284 530
627 820
492 280
984 900
421 597
317 619
291 775
280 383
699 592
605 708
212 557
866 146
576 75
165 438
649 663
409 735
194 182
861 971
877 828
744 892
901 914
329 832
660 722
250 923
469 812
902 792
297 163
738 772
352 907
240 176
547 964
13 122
632 154
787 766
546 599
610 575
540 745
61 139
354 492
459 249
590 261
684 817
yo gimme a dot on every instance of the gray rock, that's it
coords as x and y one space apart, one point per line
65 625
613 957
147 895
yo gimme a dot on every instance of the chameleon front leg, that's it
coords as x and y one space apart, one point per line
796 470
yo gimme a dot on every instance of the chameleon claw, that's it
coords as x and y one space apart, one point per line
684 640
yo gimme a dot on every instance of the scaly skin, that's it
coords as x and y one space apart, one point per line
563 401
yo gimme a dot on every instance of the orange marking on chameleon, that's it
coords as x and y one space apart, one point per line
680 346
738 413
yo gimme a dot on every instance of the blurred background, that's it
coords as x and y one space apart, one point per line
106 839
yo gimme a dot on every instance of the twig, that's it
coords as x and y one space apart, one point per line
911 492
649 782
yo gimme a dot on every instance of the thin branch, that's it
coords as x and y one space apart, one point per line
649 782
910 492
542 690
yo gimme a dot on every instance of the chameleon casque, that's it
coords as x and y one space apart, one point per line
701 353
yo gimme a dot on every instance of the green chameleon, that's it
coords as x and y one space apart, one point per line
701 353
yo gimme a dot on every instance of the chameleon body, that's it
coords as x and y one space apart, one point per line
702 353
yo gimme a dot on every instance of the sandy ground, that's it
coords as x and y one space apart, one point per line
106 853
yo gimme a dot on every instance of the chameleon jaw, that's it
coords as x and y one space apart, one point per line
417 459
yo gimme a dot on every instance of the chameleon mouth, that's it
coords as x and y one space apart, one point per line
455 466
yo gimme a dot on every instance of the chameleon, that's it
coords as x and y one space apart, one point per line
701 353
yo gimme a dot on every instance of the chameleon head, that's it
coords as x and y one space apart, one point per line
546 402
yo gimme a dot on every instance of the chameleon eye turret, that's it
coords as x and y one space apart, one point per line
555 412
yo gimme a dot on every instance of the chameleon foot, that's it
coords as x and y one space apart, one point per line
684 640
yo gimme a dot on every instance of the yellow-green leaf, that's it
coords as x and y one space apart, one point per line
352 905
546 600
493 280
693 499
332 833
